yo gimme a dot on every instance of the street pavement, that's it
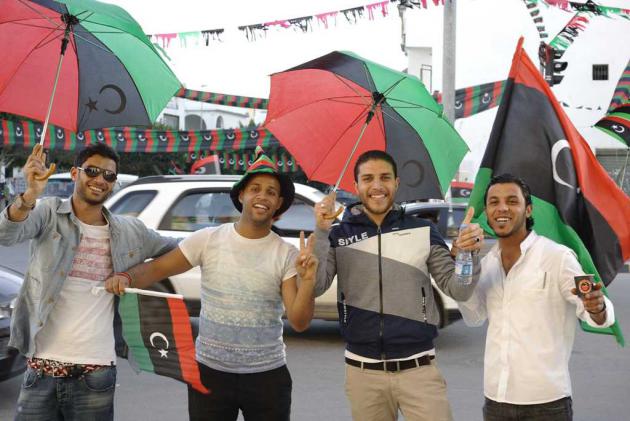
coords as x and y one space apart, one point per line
600 371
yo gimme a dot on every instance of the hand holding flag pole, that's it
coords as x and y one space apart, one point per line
157 329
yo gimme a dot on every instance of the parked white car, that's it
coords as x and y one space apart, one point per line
178 205
61 185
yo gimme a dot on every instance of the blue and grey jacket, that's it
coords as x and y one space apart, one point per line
384 296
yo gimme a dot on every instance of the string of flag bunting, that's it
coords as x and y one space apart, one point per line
223 99
235 147
537 18
616 122
256 31
589 6
468 101
567 35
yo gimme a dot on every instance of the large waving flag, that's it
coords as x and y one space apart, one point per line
616 122
157 330
575 202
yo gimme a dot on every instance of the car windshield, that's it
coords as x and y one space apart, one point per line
447 219
58 188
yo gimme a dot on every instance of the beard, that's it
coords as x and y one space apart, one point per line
84 196
381 210
519 223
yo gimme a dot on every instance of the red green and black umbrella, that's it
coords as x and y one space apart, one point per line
328 111
111 76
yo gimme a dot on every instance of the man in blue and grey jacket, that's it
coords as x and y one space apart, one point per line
69 335
384 261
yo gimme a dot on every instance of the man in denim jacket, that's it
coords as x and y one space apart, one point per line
63 329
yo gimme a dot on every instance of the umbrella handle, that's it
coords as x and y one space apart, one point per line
51 171
336 214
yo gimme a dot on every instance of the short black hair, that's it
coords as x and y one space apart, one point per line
508 178
373 155
99 148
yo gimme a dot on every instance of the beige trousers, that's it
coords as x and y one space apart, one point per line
419 393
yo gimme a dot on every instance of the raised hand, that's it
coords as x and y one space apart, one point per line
36 173
325 211
306 262
471 237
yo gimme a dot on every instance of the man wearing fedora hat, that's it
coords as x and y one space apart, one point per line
248 273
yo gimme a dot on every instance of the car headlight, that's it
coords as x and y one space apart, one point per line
7 308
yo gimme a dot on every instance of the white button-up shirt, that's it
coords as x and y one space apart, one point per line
531 321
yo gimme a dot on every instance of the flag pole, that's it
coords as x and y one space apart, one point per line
98 290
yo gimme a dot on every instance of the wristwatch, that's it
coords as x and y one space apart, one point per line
22 204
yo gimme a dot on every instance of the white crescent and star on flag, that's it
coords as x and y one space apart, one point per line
163 351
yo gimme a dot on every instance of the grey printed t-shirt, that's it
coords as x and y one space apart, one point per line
240 325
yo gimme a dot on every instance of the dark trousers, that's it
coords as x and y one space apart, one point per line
264 396
560 410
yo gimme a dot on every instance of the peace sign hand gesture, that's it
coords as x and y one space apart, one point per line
306 262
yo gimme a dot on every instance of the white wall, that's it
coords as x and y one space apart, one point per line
181 107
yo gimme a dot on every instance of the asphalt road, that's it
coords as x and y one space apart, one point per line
600 371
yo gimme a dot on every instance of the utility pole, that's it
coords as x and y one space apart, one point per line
448 59
402 8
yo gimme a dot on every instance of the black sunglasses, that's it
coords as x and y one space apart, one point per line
93 172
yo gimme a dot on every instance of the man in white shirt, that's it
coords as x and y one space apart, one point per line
526 292
248 273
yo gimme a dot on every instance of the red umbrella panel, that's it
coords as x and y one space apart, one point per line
324 109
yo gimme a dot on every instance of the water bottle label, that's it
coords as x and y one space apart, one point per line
466 269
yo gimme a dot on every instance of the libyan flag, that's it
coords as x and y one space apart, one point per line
158 333
575 202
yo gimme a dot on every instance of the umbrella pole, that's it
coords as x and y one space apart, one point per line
64 45
354 149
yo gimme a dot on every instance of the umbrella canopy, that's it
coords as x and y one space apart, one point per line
111 76
319 109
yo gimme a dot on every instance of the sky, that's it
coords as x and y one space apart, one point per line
487 32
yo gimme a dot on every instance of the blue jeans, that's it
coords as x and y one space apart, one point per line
560 410
89 397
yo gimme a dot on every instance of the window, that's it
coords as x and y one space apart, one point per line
219 122
450 220
171 121
59 188
132 204
447 220
299 217
194 122
600 72
200 209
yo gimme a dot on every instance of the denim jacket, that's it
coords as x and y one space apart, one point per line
54 230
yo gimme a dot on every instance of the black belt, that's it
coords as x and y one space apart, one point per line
392 365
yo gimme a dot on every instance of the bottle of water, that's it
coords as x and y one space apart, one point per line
464 264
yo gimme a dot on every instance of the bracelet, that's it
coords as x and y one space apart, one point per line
126 275
600 311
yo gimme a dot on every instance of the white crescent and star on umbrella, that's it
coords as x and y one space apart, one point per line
163 351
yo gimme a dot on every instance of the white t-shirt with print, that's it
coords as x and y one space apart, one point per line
79 328
240 327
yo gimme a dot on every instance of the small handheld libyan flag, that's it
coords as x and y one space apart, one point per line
156 327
